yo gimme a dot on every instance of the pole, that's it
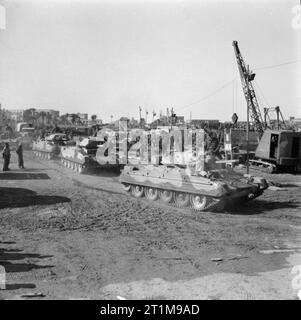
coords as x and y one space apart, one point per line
140 115
248 139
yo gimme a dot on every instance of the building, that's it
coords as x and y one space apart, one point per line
92 122
83 116
180 120
199 123
15 114
54 114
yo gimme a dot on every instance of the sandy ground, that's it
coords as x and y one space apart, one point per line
71 236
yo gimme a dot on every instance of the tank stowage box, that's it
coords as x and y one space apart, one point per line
172 184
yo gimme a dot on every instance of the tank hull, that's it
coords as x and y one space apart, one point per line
45 150
216 189
74 158
81 160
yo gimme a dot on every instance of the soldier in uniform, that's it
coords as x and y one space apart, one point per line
6 157
20 156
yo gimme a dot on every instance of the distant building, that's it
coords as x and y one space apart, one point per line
92 122
83 116
180 120
15 114
133 123
199 123
47 116
53 113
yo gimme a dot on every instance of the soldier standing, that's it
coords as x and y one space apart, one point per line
20 156
6 157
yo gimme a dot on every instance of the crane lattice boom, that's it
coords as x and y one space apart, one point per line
246 79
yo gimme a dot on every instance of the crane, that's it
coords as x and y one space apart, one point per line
247 77
277 149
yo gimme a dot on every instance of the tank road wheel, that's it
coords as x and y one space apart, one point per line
181 199
166 196
198 202
137 191
126 187
151 194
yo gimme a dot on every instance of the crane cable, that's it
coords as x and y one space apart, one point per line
277 65
261 92
234 80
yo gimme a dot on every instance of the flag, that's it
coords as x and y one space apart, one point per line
2 17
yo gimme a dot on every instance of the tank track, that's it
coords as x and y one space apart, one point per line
44 155
73 165
207 203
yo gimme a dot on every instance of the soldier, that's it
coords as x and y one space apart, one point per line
6 157
19 152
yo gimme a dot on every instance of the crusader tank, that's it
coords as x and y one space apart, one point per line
82 156
49 148
215 189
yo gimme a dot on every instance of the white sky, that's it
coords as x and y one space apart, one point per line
109 57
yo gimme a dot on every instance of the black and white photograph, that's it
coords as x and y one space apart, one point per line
151 151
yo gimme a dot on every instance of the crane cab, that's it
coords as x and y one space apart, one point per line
281 148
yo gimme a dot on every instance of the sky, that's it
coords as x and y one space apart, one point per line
110 57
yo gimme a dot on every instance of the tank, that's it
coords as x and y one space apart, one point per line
50 147
214 190
81 157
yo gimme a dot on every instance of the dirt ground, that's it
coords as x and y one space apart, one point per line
71 236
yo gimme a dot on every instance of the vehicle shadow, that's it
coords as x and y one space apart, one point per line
259 206
20 286
22 267
6 261
104 171
7 175
20 197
